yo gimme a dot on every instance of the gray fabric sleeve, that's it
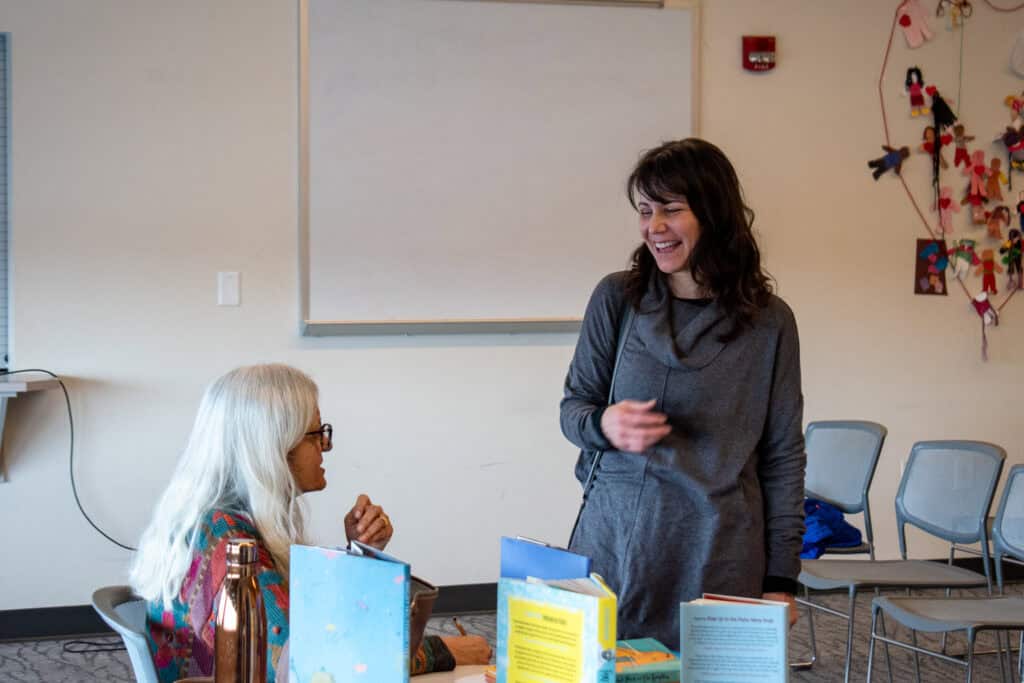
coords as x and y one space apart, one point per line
782 458
587 383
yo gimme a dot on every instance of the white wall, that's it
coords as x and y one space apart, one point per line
155 144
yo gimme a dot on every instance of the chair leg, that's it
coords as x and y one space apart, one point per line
970 654
1020 657
881 630
871 643
917 657
949 593
809 663
849 633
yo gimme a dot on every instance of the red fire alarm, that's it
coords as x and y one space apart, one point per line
758 53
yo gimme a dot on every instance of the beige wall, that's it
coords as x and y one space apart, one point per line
155 144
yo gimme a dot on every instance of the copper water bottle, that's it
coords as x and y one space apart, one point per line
240 646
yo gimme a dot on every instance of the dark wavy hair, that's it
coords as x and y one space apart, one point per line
726 260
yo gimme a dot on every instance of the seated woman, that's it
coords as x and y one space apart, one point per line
256 446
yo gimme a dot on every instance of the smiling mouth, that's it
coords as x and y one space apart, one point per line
666 247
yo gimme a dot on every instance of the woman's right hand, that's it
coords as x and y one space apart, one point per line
634 426
468 650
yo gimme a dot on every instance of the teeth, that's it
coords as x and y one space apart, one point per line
665 245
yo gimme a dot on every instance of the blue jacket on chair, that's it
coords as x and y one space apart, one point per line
826 527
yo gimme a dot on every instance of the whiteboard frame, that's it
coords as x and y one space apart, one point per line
330 328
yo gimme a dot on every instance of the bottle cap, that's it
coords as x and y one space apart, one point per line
242 551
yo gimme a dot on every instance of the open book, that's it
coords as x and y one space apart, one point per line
557 631
724 639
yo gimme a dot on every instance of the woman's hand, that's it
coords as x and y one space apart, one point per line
787 598
468 649
367 523
634 426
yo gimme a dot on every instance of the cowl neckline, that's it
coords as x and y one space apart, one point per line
697 340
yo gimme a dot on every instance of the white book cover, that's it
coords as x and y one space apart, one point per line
725 639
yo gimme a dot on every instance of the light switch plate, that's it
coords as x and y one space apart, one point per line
229 288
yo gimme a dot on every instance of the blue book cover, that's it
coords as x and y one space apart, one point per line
349 617
521 558
557 631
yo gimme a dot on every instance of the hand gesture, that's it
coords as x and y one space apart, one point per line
367 523
788 598
634 426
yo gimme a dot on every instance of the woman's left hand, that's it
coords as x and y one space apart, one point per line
787 598
368 523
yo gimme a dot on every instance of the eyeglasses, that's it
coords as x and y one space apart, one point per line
326 434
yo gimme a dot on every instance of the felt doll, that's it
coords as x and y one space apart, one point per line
1020 210
962 138
914 87
1012 251
1015 103
929 146
944 116
995 176
978 172
913 20
988 270
893 159
946 208
959 10
989 315
998 219
961 257
978 214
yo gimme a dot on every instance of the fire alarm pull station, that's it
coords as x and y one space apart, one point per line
758 53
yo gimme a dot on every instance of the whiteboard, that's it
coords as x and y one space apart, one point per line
463 163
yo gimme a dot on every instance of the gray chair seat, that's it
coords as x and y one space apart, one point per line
862 549
832 574
937 615
126 613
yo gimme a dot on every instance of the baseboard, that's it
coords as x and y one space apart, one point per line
75 620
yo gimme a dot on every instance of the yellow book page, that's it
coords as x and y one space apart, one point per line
545 643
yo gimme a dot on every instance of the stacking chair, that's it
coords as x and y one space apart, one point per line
841 459
971 615
946 490
126 613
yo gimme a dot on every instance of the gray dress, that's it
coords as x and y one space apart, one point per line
717 505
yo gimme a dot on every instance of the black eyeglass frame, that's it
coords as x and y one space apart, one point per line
326 434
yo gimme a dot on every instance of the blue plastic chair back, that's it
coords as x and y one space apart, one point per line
947 490
841 459
1008 529
126 613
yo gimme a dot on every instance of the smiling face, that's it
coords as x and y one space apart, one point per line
670 230
306 460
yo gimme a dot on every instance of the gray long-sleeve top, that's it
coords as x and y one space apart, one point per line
717 505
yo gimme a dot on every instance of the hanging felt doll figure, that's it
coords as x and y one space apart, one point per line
946 208
979 174
978 214
913 20
944 116
998 219
995 177
1020 210
929 147
987 270
989 315
962 138
893 159
913 86
962 256
1012 250
1016 104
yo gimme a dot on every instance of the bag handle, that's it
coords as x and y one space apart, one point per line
624 327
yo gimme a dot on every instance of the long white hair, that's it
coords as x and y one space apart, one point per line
235 460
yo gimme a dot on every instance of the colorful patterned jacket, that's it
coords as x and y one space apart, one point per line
181 638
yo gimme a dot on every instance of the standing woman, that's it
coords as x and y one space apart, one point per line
700 486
